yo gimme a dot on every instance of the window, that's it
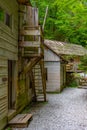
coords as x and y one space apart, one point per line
1 14
7 19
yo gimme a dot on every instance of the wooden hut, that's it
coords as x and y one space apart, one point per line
55 55
21 58
55 68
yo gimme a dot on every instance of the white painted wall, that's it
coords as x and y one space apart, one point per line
53 76
50 56
56 75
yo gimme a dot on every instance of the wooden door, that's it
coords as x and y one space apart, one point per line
11 84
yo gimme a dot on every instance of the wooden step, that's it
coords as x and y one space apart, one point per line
38 83
36 78
38 87
40 100
20 121
27 44
37 68
40 90
37 74
34 32
31 55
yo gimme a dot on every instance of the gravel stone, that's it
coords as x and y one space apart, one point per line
64 111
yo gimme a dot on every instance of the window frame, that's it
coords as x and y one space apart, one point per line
3 21
6 22
7 19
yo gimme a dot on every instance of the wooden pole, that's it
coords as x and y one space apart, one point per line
45 18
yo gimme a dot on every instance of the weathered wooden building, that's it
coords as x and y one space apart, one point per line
8 58
56 67
21 58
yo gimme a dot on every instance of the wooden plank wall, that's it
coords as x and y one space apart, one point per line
50 56
52 63
8 51
9 35
53 76
62 75
28 16
3 91
24 93
32 16
24 90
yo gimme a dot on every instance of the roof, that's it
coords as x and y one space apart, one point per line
62 48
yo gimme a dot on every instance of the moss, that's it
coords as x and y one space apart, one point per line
73 84
8 128
55 92
28 109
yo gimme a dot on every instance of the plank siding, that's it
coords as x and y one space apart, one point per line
24 92
9 35
24 95
50 56
3 90
53 76
8 51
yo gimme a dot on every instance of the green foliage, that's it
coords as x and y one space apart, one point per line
73 84
9 128
83 64
66 20
1 14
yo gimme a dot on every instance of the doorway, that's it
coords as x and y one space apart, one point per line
11 84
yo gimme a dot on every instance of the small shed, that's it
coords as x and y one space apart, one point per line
55 53
55 69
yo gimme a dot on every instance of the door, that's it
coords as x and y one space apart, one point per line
11 84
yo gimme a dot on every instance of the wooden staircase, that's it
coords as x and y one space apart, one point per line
31 49
39 80
30 42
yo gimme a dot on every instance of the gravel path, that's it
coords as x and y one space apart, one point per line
65 111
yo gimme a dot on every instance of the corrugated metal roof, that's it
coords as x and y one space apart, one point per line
62 48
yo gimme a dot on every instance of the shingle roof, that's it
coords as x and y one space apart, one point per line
62 48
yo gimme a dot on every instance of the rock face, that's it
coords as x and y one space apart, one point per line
65 111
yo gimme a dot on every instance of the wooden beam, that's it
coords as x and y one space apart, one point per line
32 55
30 32
31 27
43 78
29 44
31 64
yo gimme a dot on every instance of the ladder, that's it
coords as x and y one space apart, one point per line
39 80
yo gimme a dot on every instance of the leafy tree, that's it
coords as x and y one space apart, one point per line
83 64
1 14
66 20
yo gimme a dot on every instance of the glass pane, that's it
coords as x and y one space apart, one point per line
7 19
1 14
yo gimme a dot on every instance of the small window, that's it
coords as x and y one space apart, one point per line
1 14
7 19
